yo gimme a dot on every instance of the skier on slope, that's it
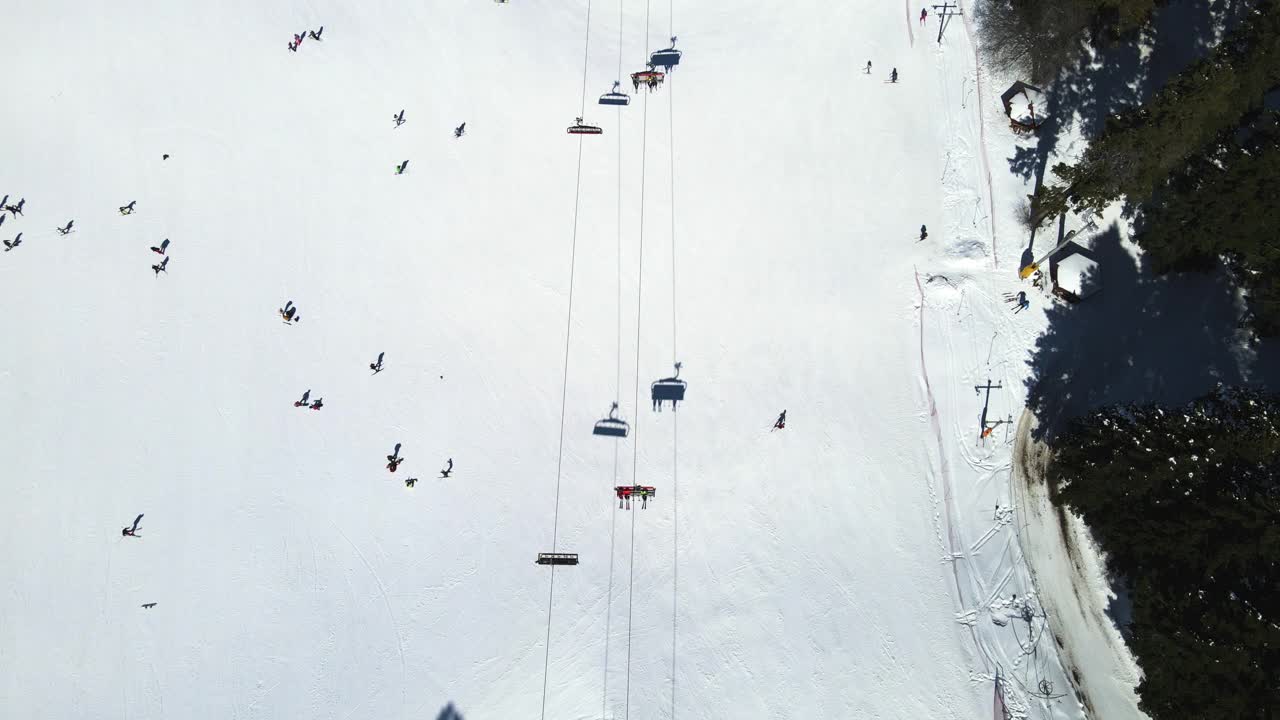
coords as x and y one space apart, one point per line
893 76
394 459
924 14
289 312
66 230
319 403
410 482
132 531
16 209
868 70
305 396
162 249
924 233
128 209
11 244
162 267
315 34
376 367
460 130
401 167
399 119
445 472
781 422
293 47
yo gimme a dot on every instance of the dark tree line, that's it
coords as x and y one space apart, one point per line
1186 503
1197 166
1039 39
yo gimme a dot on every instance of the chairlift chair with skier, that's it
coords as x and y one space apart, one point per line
650 78
614 97
671 389
579 129
611 426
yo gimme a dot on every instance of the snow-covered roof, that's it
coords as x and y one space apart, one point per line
1078 275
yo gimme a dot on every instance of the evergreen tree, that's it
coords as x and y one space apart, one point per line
1140 149
1219 205
1186 504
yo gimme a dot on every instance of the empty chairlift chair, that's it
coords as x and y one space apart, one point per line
615 97
557 558
579 129
611 426
671 388
666 59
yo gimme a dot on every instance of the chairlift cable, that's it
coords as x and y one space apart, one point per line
564 386
675 432
617 394
635 438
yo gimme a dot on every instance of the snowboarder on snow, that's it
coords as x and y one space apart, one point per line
460 130
11 244
893 76
162 249
924 233
315 34
66 230
781 422
319 403
303 401
445 472
128 209
132 531
399 119
400 168
289 312
162 267
376 367
394 459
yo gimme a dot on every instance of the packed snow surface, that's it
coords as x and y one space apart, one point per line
754 218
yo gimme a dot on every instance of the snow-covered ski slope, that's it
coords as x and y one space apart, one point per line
848 566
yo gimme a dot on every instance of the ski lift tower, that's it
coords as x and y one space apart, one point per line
943 12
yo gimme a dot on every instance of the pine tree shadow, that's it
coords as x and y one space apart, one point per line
1142 338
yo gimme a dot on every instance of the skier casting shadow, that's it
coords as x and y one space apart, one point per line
445 472
132 531
376 367
394 459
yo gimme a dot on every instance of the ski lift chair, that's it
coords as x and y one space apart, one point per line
557 558
665 59
644 77
671 388
614 97
579 129
611 426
